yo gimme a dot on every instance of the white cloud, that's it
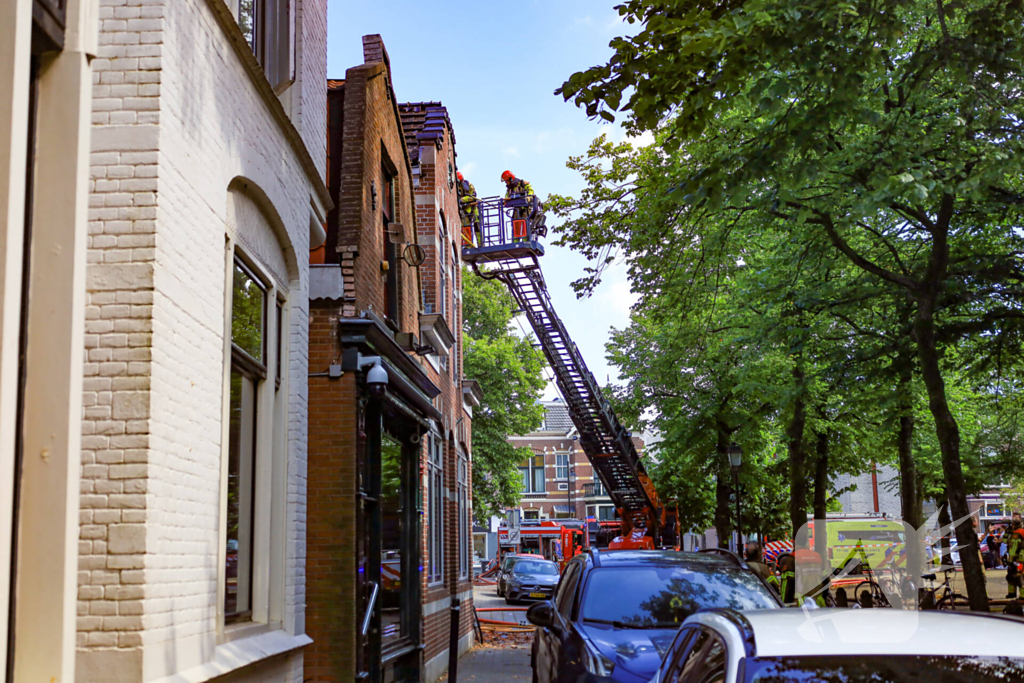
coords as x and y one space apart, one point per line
511 151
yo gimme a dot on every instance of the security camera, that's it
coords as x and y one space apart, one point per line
376 376
377 380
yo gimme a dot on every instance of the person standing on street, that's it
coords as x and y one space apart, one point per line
1014 557
787 579
752 554
992 539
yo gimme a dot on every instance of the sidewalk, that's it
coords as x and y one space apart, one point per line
494 665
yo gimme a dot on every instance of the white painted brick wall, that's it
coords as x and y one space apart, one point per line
176 119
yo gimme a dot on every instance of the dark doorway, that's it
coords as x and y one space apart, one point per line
389 547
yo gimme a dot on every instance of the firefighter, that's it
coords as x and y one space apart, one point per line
1014 557
469 211
517 187
787 579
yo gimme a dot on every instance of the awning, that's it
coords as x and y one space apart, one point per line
564 509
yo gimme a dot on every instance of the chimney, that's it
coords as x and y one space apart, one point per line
374 51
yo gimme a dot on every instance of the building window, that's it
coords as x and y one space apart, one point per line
393 532
465 523
435 509
442 290
531 514
390 248
267 27
248 370
532 470
561 466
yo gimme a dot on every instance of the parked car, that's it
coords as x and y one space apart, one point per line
853 646
507 562
531 579
615 612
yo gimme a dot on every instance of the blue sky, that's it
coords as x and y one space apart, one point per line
495 66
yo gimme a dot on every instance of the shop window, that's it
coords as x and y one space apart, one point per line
532 470
248 370
465 523
267 27
393 531
435 509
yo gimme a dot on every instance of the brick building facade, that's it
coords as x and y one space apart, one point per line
389 478
558 480
207 191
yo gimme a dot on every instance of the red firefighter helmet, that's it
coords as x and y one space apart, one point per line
507 176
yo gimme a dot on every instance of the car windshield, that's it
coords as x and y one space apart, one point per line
535 567
662 597
887 668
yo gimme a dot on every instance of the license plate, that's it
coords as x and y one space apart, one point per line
537 595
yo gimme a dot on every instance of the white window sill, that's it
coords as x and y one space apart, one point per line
240 653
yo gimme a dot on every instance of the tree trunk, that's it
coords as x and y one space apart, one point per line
909 499
797 474
948 433
821 496
723 525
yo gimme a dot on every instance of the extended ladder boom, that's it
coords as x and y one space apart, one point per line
506 248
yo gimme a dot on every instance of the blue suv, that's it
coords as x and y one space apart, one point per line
615 612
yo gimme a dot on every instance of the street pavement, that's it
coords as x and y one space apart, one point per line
508 661
494 665
486 597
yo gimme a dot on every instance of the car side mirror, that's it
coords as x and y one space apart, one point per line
543 614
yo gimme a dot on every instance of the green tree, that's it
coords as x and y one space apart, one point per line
891 128
510 372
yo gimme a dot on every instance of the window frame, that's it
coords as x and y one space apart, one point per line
532 468
464 513
389 215
272 40
270 450
435 510
562 470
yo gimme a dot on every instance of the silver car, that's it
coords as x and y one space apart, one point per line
531 579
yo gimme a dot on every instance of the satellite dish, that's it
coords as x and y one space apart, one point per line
414 255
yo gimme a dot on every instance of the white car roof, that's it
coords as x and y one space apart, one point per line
794 632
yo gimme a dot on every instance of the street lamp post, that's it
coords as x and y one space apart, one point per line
735 460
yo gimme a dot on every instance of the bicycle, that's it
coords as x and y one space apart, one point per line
869 585
949 597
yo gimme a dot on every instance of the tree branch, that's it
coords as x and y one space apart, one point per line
839 243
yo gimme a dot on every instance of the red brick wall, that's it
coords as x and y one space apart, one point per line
331 611
436 198
366 136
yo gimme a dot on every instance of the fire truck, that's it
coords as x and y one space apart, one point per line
558 541
504 245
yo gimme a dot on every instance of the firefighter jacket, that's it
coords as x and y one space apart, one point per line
1015 545
518 186
467 195
787 588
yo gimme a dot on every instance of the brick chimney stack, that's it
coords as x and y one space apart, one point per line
374 51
